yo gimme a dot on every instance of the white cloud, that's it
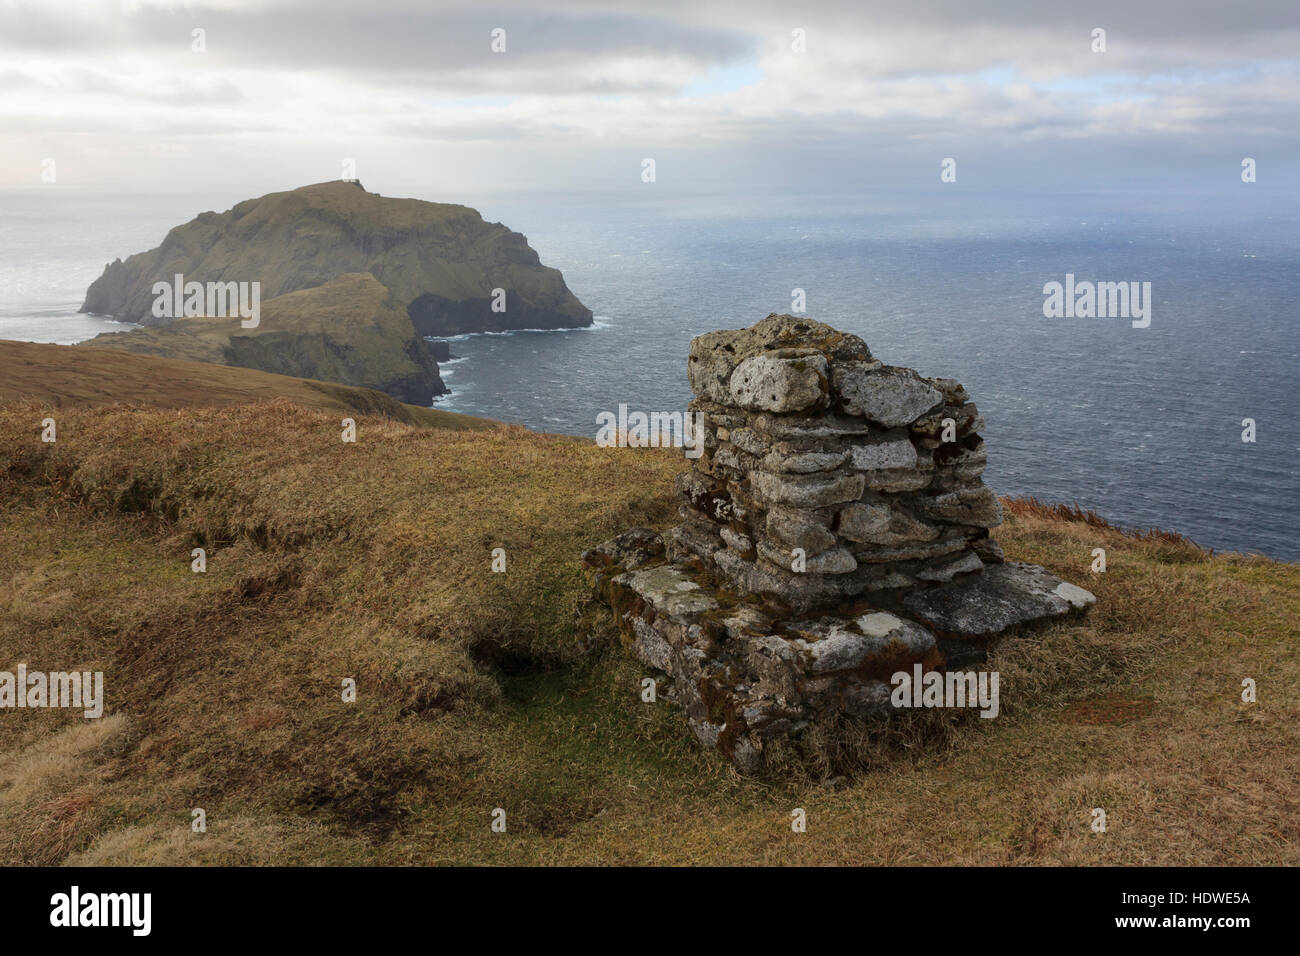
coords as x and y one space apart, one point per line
286 85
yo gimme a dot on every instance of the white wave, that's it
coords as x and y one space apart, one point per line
597 322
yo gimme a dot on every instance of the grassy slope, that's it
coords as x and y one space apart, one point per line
350 330
373 561
68 375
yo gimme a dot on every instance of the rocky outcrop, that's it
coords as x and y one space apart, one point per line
350 330
442 261
834 533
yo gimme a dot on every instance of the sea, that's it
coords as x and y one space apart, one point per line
1142 425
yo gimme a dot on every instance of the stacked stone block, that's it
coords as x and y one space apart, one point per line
834 532
828 475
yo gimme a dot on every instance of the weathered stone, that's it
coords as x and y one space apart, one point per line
887 396
629 550
883 524
976 507
943 571
888 453
651 647
883 578
715 355
781 459
933 431
745 620
747 757
1003 596
742 544
706 733
900 479
748 440
821 428
799 592
963 416
669 591
919 552
712 499
690 539
775 647
796 528
872 640
718 415
832 561
806 491
787 380
958 462
734 461
953 391
891 463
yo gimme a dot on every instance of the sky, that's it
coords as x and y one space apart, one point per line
815 95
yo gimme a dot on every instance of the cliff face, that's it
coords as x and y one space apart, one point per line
351 329
442 261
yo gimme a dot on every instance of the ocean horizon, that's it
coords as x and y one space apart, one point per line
1142 425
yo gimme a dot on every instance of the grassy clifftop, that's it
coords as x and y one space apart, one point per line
479 690
350 330
60 376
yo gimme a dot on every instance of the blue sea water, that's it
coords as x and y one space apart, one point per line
1142 425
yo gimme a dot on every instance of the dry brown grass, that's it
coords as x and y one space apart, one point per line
476 690
62 376
1032 507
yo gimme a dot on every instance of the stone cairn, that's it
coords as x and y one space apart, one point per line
834 531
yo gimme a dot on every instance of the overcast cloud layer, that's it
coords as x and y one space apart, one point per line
286 90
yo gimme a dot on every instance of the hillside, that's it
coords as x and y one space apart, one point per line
479 690
351 330
442 261
63 376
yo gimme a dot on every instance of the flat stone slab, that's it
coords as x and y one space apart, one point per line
670 591
1002 596
629 550
835 644
746 674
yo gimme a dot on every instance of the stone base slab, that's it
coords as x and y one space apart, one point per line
743 677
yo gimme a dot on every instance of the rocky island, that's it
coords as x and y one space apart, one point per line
352 284
442 261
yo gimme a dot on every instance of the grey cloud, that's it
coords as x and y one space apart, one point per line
377 36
